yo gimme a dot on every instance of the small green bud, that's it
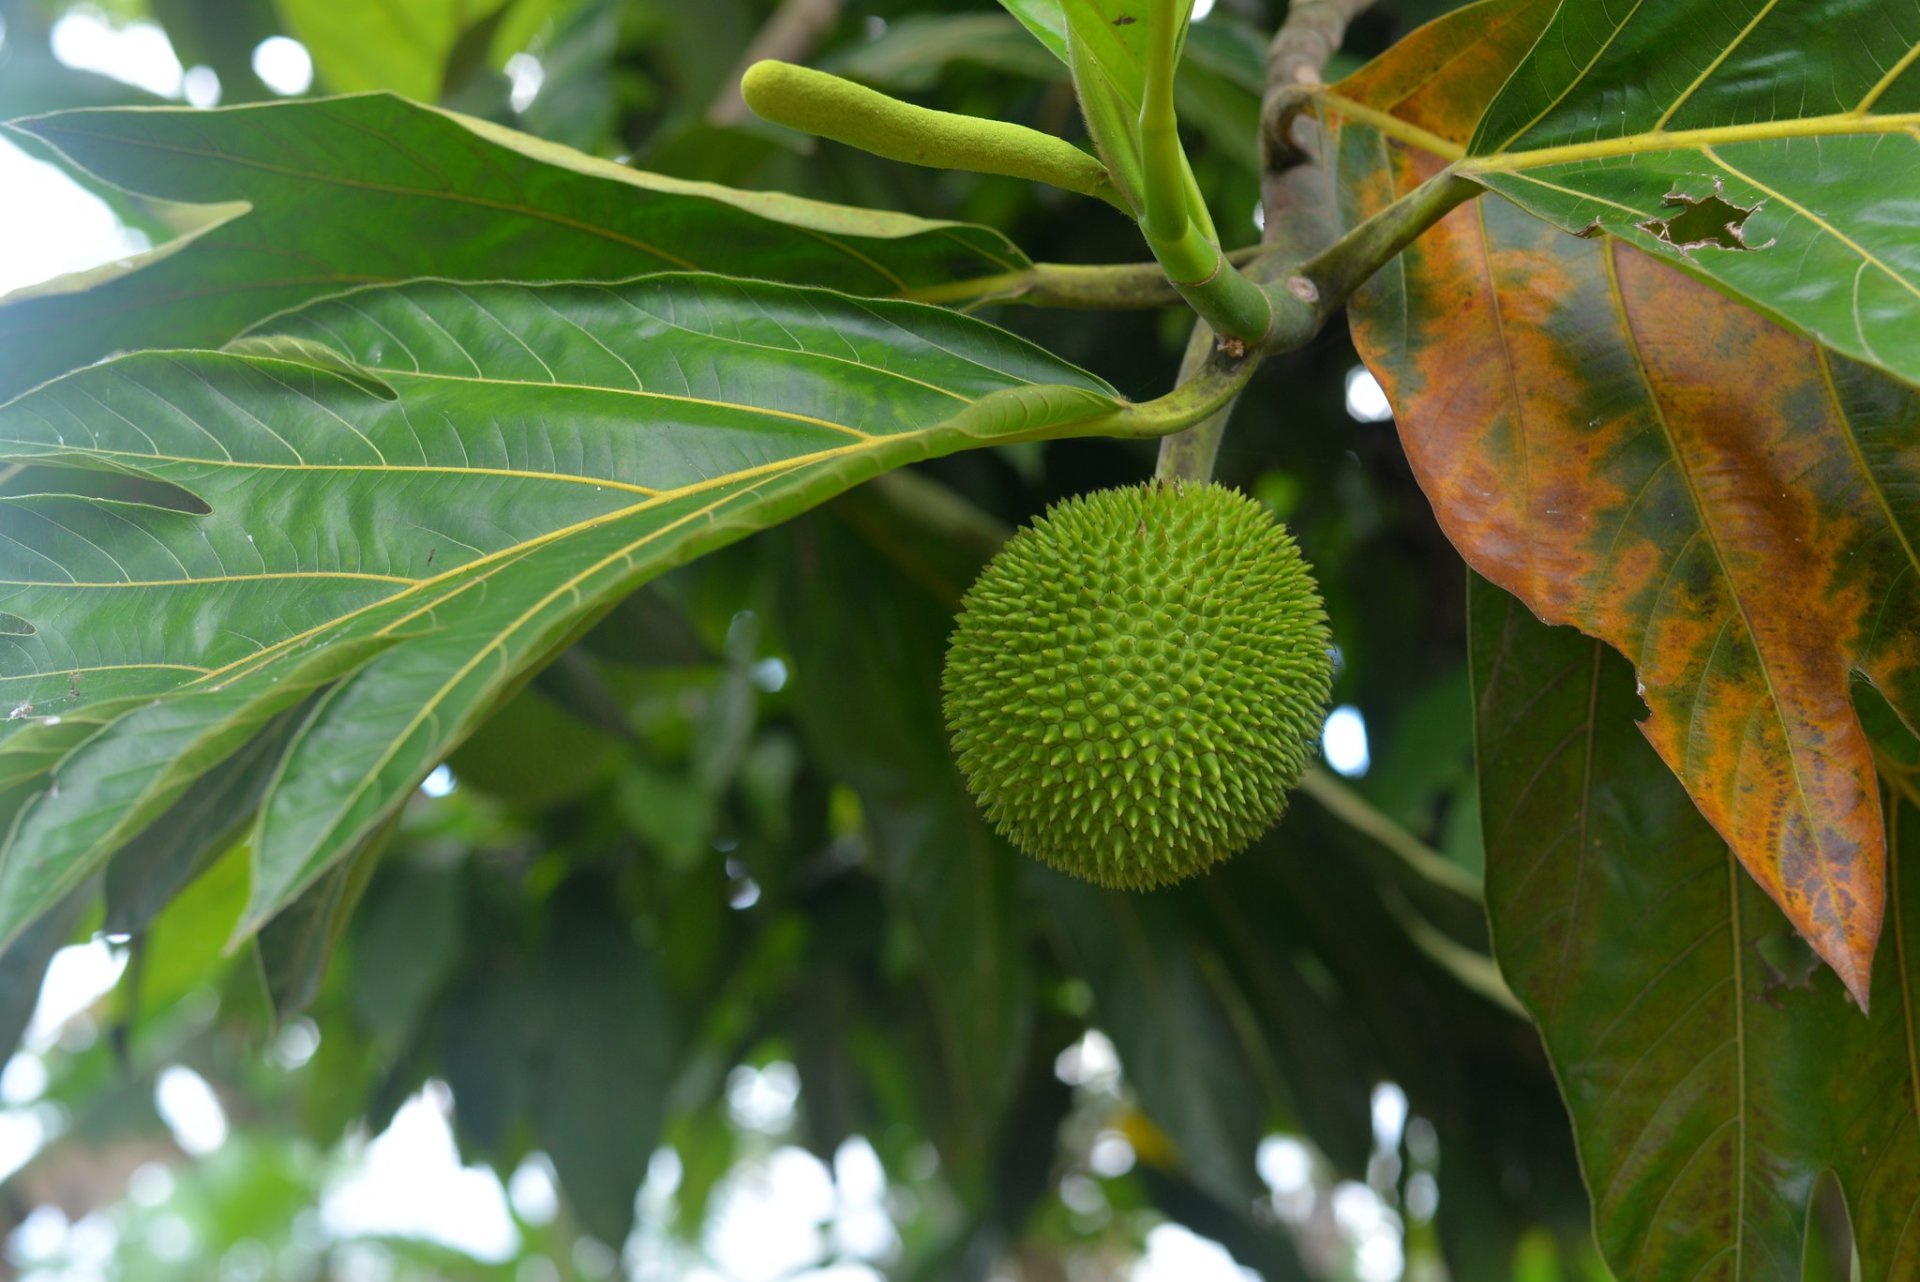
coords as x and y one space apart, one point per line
831 107
1136 681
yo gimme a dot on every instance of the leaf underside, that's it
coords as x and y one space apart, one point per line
402 502
1712 1067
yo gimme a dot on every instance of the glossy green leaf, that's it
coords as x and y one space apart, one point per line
1712 1066
1770 148
400 45
1046 19
604 1061
307 198
410 540
294 947
23 964
207 819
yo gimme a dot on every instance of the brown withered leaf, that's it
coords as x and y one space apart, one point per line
1730 506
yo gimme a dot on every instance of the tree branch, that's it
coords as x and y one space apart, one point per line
1306 40
788 36
1300 48
1188 456
1307 298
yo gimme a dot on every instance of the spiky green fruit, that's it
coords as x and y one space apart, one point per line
1137 680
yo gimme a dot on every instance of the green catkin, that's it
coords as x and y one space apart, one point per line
1137 680
828 106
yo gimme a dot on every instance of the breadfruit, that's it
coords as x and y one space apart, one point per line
1136 680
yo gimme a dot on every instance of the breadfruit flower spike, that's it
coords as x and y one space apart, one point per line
829 106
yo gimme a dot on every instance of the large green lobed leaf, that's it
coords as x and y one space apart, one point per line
403 500
307 198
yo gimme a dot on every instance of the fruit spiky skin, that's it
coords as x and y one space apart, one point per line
1137 680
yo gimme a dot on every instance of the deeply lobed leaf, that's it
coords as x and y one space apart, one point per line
303 199
404 502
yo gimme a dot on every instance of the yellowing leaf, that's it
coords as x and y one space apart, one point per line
1730 506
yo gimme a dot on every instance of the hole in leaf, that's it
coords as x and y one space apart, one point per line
1788 963
1706 222
117 487
12 625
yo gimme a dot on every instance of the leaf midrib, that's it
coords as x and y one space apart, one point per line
429 706
492 561
1833 125
1714 541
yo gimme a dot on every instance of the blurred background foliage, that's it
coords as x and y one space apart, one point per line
697 962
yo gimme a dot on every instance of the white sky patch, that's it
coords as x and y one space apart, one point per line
1175 1254
1344 741
22 1132
50 225
283 65
1366 399
190 1109
77 977
862 1228
1110 1155
525 75
1201 8
409 1183
1373 1228
1091 1062
201 87
1284 1164
767 1216
533 1190
24 1079
136 54
439 783
1389 1116
763 1099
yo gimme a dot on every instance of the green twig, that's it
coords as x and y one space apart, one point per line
1181 239
1189 455
1305 297
1112 286
1367 819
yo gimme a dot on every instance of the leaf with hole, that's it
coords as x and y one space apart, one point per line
1724 502
1784 137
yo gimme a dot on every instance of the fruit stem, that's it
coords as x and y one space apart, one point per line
1189 455
830 106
